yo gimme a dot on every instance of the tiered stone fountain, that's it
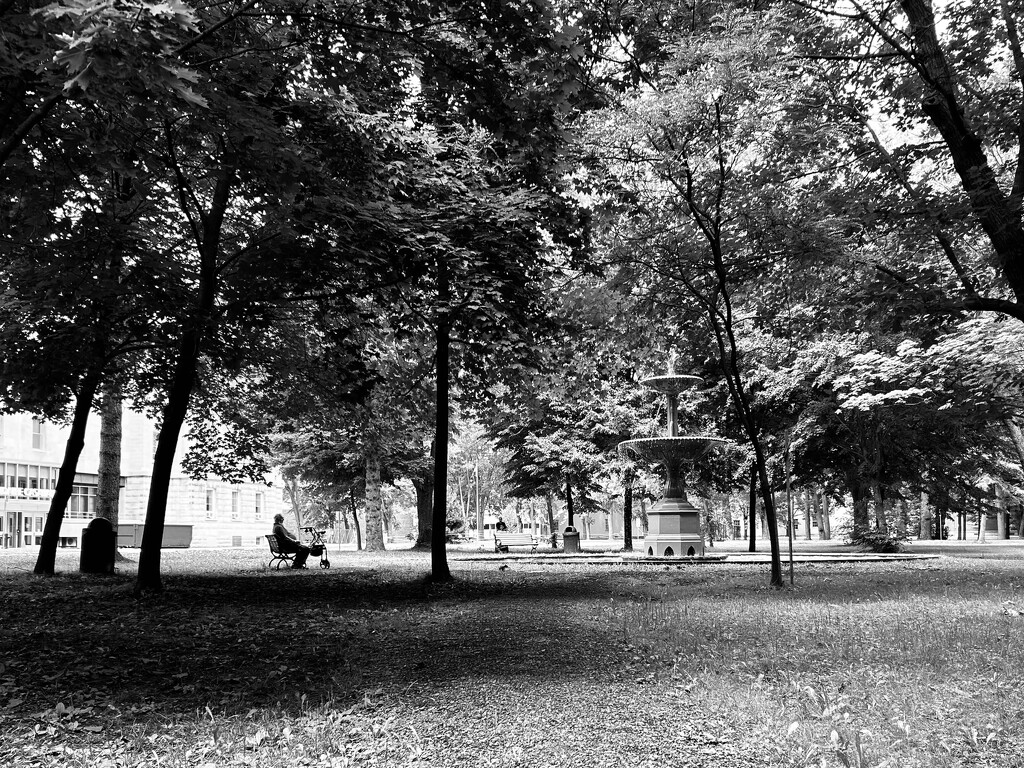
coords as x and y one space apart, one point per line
673 527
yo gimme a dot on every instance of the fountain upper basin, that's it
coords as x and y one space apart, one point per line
671 384
688 448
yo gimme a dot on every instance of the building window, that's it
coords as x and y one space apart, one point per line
38 441
211 503
82 502
259 506
235 501
39 524
28 525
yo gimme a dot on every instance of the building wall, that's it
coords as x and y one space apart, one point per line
231 521
29 464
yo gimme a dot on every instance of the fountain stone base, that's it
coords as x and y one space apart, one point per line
673 529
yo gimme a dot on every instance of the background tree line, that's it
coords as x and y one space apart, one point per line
313 233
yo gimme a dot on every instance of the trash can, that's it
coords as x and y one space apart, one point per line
571 539
97 547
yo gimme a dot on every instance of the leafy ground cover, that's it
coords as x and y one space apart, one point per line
515 664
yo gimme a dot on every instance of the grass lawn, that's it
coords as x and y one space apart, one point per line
910 663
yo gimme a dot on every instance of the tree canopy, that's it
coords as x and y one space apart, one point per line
316 234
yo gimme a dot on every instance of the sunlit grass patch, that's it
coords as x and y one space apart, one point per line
856 680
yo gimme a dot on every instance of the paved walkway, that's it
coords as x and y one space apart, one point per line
756 558
734 552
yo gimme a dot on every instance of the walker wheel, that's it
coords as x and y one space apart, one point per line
325 563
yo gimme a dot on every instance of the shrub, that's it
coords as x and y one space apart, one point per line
877 541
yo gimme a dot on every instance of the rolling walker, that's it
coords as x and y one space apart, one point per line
317 546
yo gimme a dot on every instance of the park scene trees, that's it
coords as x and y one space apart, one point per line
423 255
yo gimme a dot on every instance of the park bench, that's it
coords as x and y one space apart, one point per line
277 555
503 540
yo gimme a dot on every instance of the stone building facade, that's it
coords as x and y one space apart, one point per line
200 513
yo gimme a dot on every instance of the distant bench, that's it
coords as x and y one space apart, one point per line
503 540
277 556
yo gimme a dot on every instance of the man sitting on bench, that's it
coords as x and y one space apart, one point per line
288 543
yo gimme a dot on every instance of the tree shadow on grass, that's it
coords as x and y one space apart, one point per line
238 642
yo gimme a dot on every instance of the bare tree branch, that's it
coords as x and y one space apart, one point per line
209 31
30 122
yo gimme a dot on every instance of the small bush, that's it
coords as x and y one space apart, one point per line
877 541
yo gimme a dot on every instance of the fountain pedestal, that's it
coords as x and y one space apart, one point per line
673 524
673 529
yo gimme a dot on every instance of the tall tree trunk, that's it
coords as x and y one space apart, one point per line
826 516
108 487
877 489
752 546
861 498
355 519
148 577
719 314
461 495
926 518
374 506
770 516
1002 523
568 503
439 570
729 350
627 511
982 521
807 513
481 508
815 497
291 485
424 485
549 501
424 511
709 521
47 557
179 393
878 496
108 490
903 525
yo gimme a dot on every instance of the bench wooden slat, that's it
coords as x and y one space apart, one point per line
506 539
276 554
